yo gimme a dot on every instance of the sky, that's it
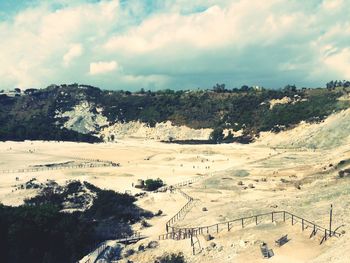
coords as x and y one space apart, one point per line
173 44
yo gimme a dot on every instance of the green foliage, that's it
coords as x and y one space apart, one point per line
31 116
171 258
39 232
151 184
217 135
229 136
42 234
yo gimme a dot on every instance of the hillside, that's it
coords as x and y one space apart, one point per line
330 133
85 113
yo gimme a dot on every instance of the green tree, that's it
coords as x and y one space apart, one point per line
151 184
217 135
229 137
171 258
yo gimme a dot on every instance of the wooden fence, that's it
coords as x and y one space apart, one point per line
100 248
93 163
96 252
187 207
178 233
183 233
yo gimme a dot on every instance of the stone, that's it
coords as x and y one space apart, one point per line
141 248
208 237
153 244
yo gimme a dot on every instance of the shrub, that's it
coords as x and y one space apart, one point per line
171 258
151 184
217 135
159 213
144 223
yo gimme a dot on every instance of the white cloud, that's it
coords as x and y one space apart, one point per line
74 51
340 61
36 43
332 4
176 43
102 67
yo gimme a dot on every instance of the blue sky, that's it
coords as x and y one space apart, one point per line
176 44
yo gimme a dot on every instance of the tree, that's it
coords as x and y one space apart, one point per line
290 88
229 137
219 88
151 184
244 88
217 135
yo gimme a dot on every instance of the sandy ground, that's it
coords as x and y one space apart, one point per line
273 173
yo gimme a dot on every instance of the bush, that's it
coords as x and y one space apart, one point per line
159 213
39 232
43 234
144 223
151 184
171 258
217 135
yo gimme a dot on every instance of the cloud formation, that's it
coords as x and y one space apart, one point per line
74 51
102 67
175 43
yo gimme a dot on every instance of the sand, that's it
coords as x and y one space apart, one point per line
272 171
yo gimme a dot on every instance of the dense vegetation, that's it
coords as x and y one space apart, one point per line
171 258
43 234
153 184
32 115
39 232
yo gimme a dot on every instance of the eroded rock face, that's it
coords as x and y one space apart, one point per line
161 131
87 118
84 118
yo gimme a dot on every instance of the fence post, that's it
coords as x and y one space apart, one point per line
314 230
292 220
330 221
256 220
284 216
228 226
217 228
272 217
302 224
242 222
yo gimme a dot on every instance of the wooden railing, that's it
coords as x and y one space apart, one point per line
132 238
94 163
187 207
188 232
100 248
97 251
183 233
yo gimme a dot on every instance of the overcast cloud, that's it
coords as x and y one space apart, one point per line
174 44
